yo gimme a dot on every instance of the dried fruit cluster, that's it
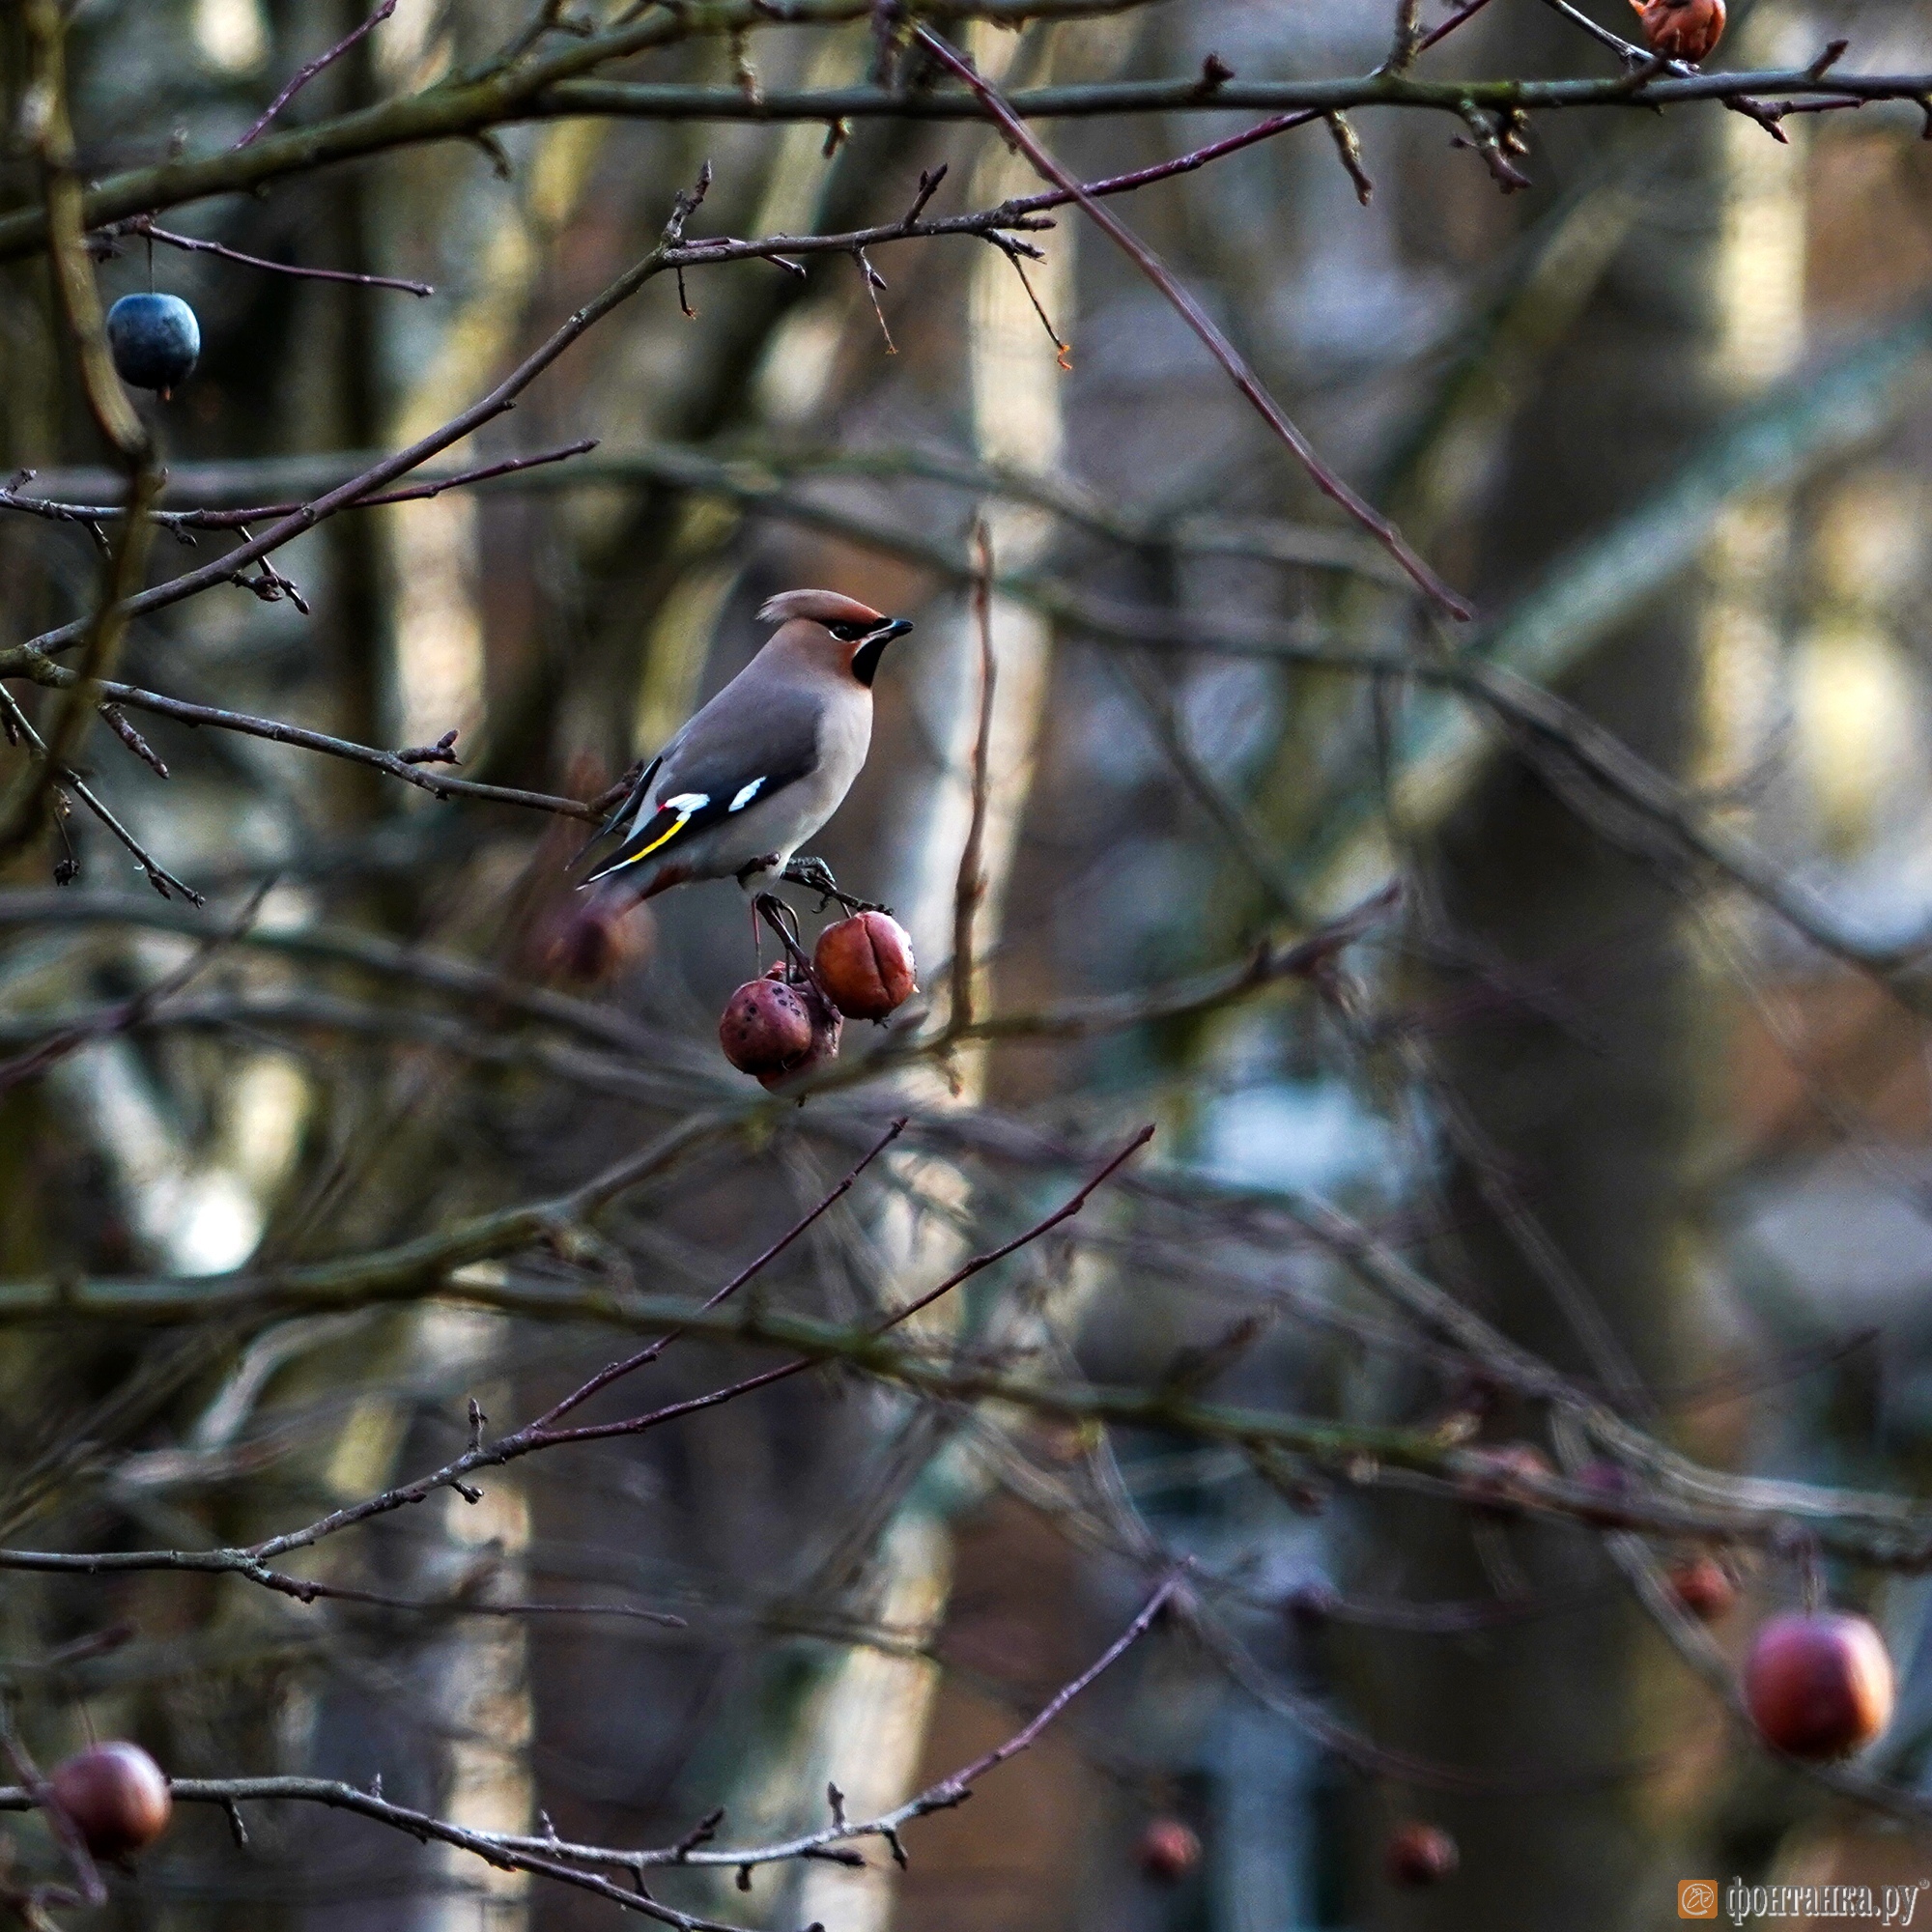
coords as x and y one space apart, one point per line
787 1024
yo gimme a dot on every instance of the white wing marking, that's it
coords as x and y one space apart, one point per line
746 795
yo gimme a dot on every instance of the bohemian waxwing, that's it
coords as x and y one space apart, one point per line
761 767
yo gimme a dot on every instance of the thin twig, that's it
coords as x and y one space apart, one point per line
639 1424
616 1371
407 765
558 87
970 888
1463 13
180 521
309 1590
387 472
1199 321
194 245
308 72
158 876
874 282
254 1560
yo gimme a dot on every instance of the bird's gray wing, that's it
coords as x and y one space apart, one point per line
728 758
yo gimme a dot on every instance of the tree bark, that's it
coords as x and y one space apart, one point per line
1577 1116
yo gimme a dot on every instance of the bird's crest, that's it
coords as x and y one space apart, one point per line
822 606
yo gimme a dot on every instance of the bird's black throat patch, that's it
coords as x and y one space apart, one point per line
865 659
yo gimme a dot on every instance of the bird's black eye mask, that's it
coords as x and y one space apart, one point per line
872 639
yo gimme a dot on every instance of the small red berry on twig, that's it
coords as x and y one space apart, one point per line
1819 1686
1419 1854
117 1797
1169 1849
589 940
1704 1588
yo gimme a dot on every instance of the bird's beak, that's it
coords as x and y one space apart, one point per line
865 659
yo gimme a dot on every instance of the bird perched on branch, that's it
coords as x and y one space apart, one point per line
761 767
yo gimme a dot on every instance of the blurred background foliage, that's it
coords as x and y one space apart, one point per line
1665 414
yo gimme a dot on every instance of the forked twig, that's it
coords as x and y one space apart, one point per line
1199 321
555 1858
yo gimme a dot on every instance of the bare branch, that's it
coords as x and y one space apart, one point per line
130 1013
555 88
1198 319
1467 11
254 1561
19 728
406 765
379 474
555 1859
616 1371
23 805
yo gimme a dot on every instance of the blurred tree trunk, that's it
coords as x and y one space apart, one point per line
877 1709
1580 1112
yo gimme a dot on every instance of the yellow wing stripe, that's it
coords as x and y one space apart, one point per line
664 838
683 819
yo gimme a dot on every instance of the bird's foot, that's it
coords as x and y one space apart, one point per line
815 876
784 921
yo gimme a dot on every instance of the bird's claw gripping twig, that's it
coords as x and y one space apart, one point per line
815 876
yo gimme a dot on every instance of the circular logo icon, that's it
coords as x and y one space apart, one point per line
1697 1899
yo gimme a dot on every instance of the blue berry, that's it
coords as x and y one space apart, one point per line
155 341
